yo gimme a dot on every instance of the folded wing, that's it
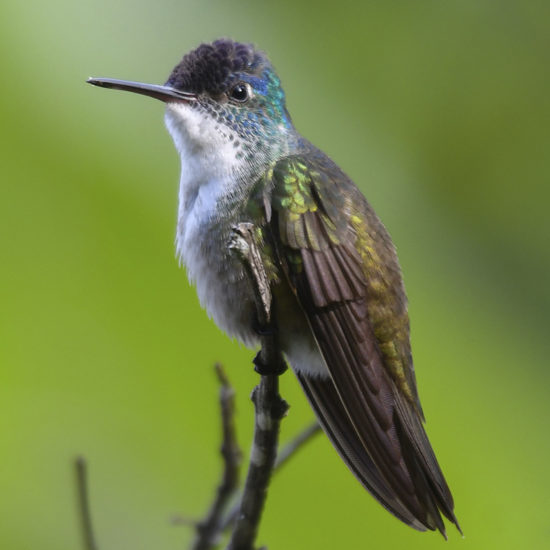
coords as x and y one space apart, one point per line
341 265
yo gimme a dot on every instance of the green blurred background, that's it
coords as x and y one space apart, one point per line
439 110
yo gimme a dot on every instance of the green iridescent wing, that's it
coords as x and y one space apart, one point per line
341 265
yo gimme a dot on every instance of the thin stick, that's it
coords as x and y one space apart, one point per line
287 452
209 529
270 408
293 445
84 504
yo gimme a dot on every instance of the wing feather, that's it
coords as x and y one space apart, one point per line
336 423
342 267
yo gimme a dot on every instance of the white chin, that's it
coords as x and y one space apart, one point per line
193 130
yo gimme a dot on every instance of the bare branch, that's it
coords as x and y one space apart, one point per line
288 451
270 408
209 529
293 445
84 504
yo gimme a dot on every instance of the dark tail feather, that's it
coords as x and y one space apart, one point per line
430 485
420 455
339 428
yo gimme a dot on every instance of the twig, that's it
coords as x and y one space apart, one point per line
286 453
209 529
84 504
293 445
270 408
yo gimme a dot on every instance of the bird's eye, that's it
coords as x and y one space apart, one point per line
239 92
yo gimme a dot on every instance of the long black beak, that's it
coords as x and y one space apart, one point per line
163 93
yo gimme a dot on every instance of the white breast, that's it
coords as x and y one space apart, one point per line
205 215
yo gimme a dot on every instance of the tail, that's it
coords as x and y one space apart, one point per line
433 496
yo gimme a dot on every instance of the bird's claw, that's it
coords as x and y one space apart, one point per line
266 370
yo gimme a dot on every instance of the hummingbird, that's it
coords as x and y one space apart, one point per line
339 301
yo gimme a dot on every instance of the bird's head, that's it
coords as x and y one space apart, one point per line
221 95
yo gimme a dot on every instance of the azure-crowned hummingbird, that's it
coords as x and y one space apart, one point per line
340 305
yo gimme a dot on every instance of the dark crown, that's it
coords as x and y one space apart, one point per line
208 68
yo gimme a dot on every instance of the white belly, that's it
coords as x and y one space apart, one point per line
221 283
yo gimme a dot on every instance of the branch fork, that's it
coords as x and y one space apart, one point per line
239 512
270 408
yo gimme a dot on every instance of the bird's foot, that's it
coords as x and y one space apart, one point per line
270 369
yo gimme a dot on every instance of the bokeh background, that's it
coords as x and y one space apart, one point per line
439 110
